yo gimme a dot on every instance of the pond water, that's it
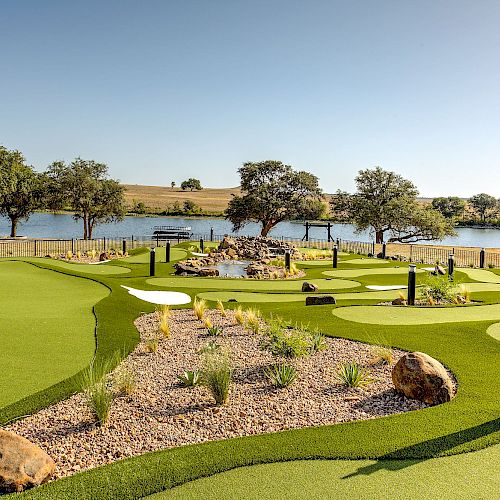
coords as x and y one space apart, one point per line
232 268
45 225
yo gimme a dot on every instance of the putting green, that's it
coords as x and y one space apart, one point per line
466 476
250 284
143 258
481 275
494 331
46 328
97 269
249 297
355 273
305 263
383 315
366 262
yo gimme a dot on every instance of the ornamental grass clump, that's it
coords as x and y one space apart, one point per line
351 374
252 321
164 327
151 345
239 316
281 375
214 331
199 308
217 374
317 342
124 381
207 323
284 342
222 310
381 355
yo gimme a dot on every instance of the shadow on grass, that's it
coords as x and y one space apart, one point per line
393 461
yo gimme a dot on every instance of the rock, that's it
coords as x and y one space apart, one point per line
104 256
22 464
185 268
421 377
399 302
207 271
380 255
309 287
232 300
440 270
320 300
232 253
226 243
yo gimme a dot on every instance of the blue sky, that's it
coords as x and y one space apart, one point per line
165 90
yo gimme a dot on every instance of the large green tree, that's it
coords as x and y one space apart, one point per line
191 184
386 203
20 188
272 192
85 188
450 206
483 204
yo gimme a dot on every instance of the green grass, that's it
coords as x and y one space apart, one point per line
494 331
366 262
355 273
143 257
481 275
468 476
47 328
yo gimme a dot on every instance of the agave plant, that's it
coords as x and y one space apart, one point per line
281 375
190 378
353 375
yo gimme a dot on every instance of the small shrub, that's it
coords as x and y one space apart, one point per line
165 327
217 374
100 399
382 356
252 322
152 344
239 316
438 289
207 323
220 307
491 266
78 254
199 308
163 311
281 375
190 378
353 375
214 331
286 343
318 342
69 255
209 347
124 381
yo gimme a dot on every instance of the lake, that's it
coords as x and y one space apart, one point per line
45 225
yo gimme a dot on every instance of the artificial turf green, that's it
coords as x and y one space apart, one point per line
494 331
366 262
466 476
47 328
355 273
250 284
481 275
143 257
103 269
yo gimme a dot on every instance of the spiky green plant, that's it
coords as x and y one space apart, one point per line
190 378
217 374
351 374
281 375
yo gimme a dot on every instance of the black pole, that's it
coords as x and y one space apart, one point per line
104 239
307 231
451 266
202 245
335 255
384 248
330 232
287 260
482 256
412 281
211 234
152 261
373 248
157 239
167 252
124 247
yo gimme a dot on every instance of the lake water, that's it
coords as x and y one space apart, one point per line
44 225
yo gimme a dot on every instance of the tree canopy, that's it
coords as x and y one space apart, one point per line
272 192
450 206
483 204
384 203
84 187
20 188
191 184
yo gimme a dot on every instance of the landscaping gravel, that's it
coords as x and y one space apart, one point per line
161 413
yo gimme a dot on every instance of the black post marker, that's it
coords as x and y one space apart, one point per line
124 247
287 260
211 234
482 259
412 281
451 266
384 249
167 252
202 245
152 262
335 256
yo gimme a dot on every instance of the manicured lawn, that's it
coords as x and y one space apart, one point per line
355 273
481 275
143 257
494 331
468 476
46 328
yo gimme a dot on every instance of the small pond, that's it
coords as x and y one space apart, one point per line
232 268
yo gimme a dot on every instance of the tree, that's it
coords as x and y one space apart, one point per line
273 192
191 184
190 206
172 184
386 202
451 206
21 190
482 203
84 186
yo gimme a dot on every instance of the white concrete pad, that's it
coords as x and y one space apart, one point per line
386 287
198 254
159 297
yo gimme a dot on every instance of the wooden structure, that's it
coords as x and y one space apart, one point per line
328 226
171 233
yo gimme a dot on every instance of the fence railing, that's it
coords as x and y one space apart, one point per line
424 254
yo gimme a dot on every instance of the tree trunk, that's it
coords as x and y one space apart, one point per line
13 226
266 227
85 227
90 229
379 236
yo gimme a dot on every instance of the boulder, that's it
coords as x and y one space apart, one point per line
185 269
22 464
207 271
226 243
440 270
309 287
399 302
421 377
104 256
320 300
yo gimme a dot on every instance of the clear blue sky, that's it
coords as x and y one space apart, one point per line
165 90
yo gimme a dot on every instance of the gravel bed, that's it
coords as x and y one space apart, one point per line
161 414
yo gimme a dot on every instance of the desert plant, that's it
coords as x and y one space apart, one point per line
210 346
152 344
288 343
199 308
163 311
165 327
438 289
317 342
381 355
220 307
281 375
124 381
239 316
78 254
351 374
207 323
69 255
252 322
217 374
100 399
190 378
214 331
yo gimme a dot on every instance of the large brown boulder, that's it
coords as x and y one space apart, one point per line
320 300
421 377
208 271
185 269
309 287
22 464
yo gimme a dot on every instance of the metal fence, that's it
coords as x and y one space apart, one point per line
424 254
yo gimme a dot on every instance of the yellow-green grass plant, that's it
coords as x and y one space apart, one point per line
200 308
124 381
381 355
239 316
252 320
217 374
222 310
151 345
